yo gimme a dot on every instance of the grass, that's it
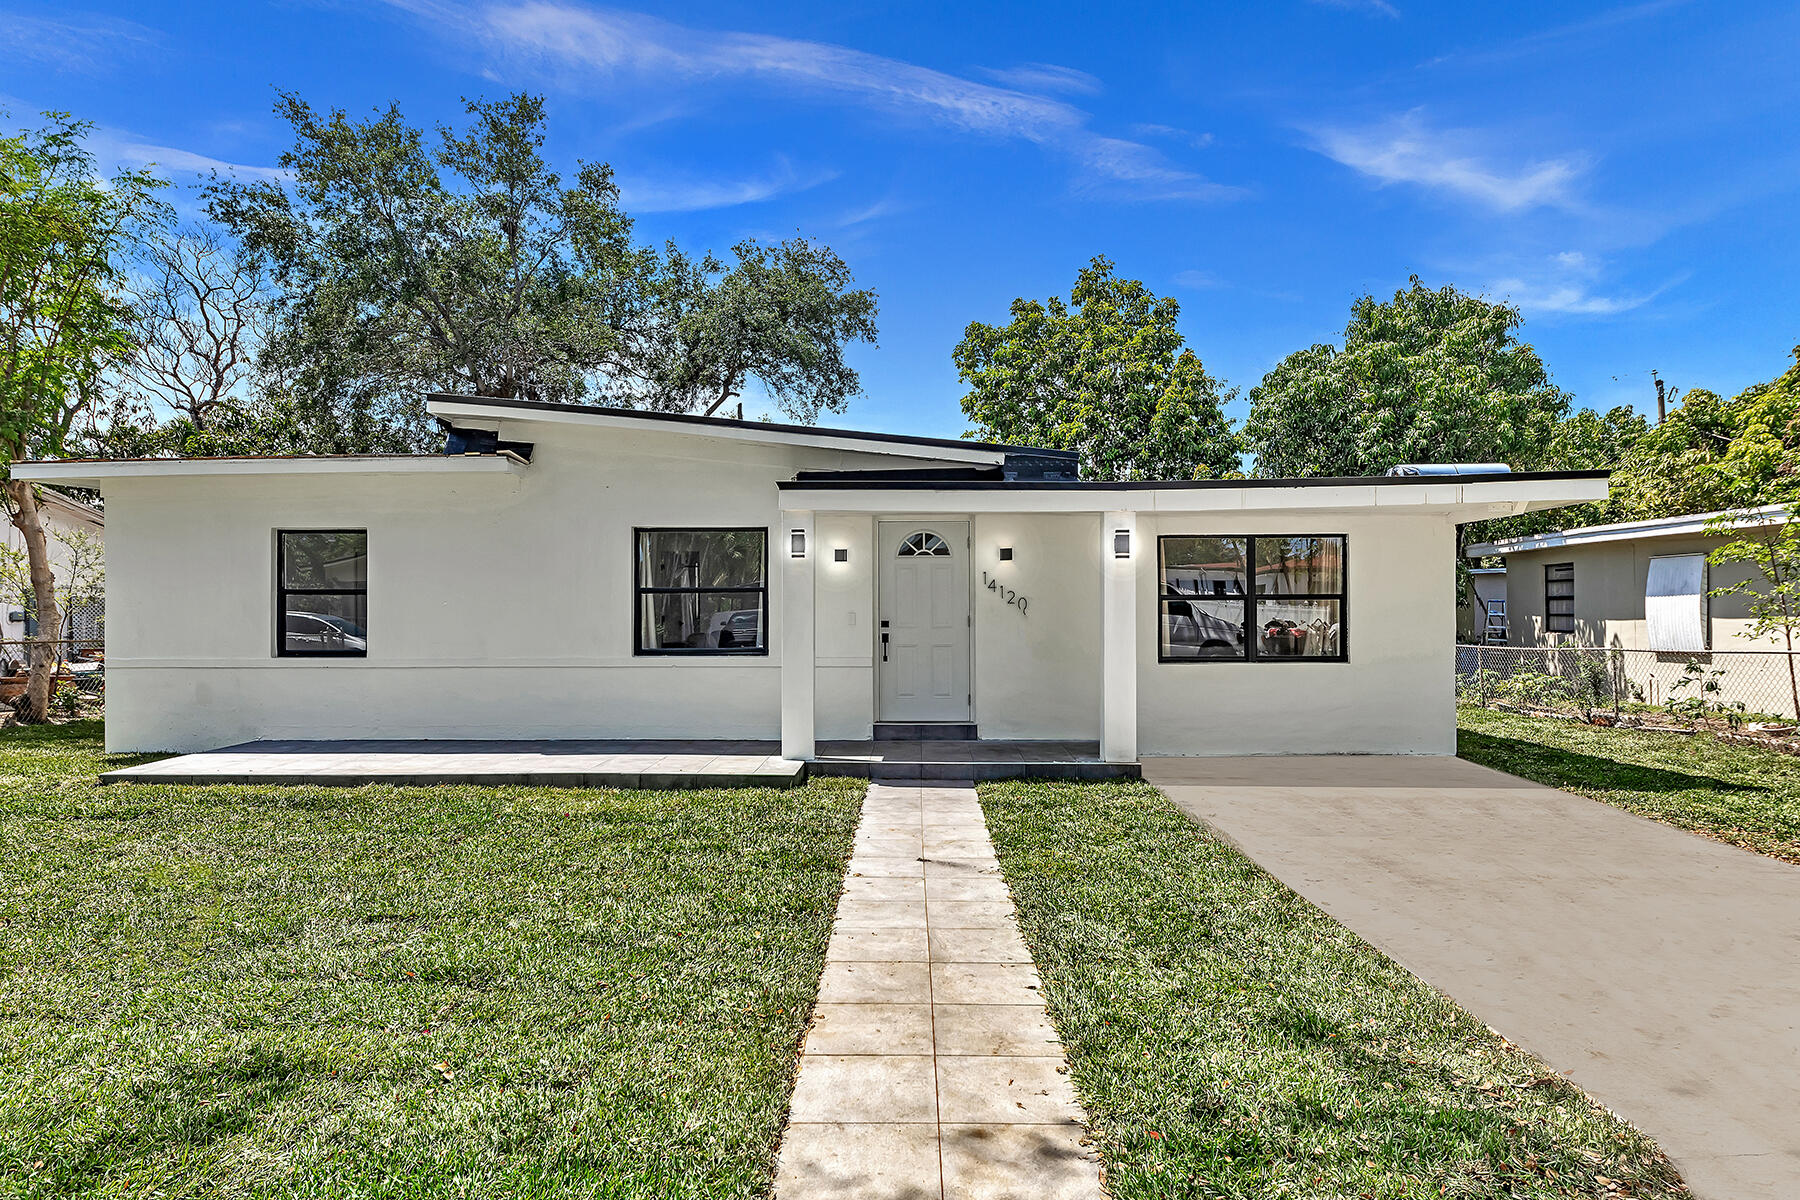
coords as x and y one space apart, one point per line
1231 1040
1743 795
400 992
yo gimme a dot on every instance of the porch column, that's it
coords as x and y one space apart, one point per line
1118 636
796 629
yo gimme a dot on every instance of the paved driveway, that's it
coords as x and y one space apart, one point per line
1660 970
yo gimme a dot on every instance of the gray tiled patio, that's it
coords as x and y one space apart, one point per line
617 763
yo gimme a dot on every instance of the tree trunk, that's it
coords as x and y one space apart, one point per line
1793 682
35 706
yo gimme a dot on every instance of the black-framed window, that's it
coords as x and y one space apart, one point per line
701 591
1559 597
322 593
1261 598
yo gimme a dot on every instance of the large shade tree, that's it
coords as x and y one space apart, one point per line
65 323
1106 374
404 264
1432 375
1711 453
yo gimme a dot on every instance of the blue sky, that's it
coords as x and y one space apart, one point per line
1627 174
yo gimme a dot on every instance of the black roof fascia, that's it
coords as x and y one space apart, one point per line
904 475
852 482
733 423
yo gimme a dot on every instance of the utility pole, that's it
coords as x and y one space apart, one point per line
1662 401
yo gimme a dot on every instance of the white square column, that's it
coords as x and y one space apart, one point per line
796 629
1118 636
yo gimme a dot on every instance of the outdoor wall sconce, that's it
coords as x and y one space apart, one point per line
840 555
1121 543
797 543
1006 554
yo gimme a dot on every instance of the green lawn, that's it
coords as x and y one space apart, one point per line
1738 794
1231 1040
386 992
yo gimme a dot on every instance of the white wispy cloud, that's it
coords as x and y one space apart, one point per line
115 148
1569 283
1151 129
1407 150
886 206
1379 8
1046 77
586 46
671 194
173 160
1197 280
81 42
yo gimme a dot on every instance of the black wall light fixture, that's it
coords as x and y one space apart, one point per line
1121 543
797 543
840 555
1006 554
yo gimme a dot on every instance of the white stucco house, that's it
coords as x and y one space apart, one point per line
582 572
65 519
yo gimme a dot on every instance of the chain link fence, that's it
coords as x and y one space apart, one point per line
80 663
1725 689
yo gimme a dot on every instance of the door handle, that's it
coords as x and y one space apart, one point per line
884 638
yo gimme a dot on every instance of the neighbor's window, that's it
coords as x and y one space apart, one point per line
1251 599
1559 598
702 591
322 592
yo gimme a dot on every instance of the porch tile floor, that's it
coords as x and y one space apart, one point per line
563 762
934 760
618 762
931 1070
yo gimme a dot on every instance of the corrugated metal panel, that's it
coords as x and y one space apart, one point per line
1675 603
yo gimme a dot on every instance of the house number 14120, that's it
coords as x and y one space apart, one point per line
1006 594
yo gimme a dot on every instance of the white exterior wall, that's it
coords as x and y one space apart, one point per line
1037 674
499 605
1395 695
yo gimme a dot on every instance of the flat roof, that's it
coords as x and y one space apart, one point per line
1624 531
90 472
858 480
442 404
1465 497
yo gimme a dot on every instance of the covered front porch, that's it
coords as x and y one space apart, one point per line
924 616
618 763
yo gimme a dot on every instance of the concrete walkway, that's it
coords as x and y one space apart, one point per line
931 1071
1659 970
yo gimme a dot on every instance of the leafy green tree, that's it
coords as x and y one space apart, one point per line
1106 375
1433 375
1772 595
65 322
1583 441
1713 454
404 265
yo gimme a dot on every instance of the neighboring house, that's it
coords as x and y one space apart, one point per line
1643 587
62 515
1483 618
567 571
1637 585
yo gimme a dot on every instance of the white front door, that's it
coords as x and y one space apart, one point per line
923 654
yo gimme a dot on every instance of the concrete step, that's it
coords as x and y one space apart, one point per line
925 731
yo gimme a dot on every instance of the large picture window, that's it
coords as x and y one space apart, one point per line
1251 599
702 591
322 593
